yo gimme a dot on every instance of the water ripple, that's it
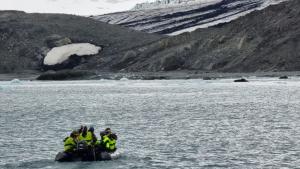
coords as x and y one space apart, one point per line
160 124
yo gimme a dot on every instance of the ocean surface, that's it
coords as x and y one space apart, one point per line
160 124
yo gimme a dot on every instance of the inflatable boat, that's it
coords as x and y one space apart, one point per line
86 153
89 156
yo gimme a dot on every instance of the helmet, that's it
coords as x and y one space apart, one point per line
107 131
91 129
114 136
74 133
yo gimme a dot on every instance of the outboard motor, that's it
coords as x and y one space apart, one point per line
84 151
82 147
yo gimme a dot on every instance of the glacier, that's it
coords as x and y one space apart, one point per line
173 17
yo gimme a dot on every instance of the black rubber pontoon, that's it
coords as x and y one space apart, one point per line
69 157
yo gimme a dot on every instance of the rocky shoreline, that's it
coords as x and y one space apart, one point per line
172 75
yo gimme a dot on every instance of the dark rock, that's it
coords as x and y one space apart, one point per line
207 78
283 77
154 78
70 63
241 80
66 75
57 40
187 77
169 63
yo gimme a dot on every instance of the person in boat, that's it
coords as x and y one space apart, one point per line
83 134
79 150
101 145
80 129
109 142
86 144
91 135
70 143
105 132
88 136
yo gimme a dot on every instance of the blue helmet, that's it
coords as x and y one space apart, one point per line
91 129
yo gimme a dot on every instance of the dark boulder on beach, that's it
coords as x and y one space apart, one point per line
207 78
241 80
283 77
66 75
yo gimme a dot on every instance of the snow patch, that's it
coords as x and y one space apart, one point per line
60 54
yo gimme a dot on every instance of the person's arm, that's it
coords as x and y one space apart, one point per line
94 138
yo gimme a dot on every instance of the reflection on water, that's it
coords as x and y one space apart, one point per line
160 124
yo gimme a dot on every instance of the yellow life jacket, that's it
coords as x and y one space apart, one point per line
88 137
98 142
110 144
69 144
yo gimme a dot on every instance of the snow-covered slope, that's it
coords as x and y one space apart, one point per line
171 3
173 17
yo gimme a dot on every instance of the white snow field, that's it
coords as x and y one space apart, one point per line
60 54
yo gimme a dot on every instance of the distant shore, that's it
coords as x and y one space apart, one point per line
89 75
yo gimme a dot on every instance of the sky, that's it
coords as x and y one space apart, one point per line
77 7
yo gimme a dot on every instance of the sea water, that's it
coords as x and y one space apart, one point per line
160 124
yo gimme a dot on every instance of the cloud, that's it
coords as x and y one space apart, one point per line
78 7
114 1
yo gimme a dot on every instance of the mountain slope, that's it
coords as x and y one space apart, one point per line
24 38
175 18
266 40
